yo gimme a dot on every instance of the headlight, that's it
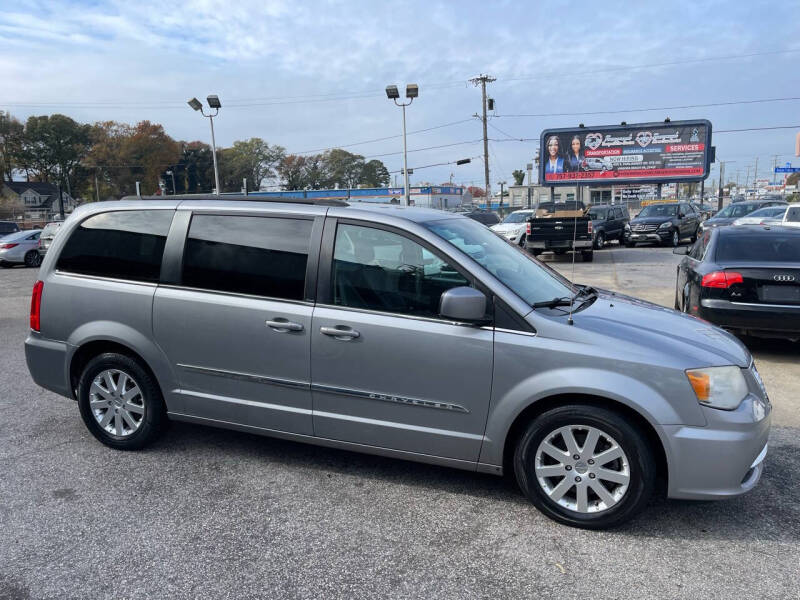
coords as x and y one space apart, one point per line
718 387
627 226
666 225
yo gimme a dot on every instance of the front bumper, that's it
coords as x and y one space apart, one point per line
650 236
48 363
753 319
723 459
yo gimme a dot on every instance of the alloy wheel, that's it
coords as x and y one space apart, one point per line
116 402
582 469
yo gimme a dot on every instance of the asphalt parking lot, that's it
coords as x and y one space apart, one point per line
207 513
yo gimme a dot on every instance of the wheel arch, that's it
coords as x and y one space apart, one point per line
542 405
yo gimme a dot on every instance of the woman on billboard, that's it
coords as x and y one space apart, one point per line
575 157
554 162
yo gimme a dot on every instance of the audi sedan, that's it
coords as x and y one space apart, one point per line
745 279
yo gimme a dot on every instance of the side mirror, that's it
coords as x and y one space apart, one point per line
681 250
463 304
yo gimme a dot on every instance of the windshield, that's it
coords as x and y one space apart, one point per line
770 211
517 217
50 229
519 272
736 210
659 210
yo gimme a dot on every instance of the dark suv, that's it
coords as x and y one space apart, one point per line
7 227
608 223
666 223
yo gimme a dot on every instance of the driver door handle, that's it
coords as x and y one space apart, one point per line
340 332
282 325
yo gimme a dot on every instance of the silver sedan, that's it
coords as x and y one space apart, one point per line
20 248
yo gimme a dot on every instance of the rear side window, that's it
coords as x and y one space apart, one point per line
793 214
121 244
262 256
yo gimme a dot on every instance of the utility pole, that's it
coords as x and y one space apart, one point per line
482 80
755 173
502 183
721 188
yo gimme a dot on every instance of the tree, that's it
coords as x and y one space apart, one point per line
793 179
11 132
52 148
345 168
374 174
152 151
253 159
196 168
519 177
476 192
316 172
292 172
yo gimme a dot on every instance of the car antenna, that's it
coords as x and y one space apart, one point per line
574 235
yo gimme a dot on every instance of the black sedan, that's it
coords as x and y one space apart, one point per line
745 279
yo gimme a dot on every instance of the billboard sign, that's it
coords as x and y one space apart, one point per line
639 153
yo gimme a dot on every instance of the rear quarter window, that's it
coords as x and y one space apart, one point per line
120 244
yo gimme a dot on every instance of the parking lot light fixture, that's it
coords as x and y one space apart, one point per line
412 91
213 102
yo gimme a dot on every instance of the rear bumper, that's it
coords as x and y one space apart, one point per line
559 245
723 459
47 362
755 319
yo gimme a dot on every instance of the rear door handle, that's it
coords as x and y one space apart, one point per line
282 325
340 332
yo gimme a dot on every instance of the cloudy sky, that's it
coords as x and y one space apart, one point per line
310 75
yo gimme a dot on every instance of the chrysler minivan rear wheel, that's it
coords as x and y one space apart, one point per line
120 402
585 466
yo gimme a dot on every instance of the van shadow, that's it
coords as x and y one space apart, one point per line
769 512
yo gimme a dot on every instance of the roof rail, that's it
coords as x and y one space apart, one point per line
243 198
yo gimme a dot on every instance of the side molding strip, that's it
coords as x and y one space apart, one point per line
330 389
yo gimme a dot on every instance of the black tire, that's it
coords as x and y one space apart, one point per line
599 240
587 255
694 236
630 244
635 446
675 238
6 265
154 418
522 241
32 258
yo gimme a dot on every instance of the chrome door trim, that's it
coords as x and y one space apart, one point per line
291 383
368 311
331 389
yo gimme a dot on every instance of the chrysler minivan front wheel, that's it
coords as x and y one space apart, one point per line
585 466
120 402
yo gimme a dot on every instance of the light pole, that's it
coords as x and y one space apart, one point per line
172 173
213 102
412 91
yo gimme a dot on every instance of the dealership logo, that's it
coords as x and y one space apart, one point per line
643 138
783 277
695 136
593 141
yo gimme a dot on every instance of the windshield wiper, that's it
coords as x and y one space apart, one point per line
562 301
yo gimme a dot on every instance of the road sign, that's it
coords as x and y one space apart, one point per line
787 169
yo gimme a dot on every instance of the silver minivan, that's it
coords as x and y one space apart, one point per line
404 332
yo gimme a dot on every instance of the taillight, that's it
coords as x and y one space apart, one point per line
36 305
721 279
527 228
7 246
591 228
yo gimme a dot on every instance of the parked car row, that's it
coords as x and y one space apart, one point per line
25 247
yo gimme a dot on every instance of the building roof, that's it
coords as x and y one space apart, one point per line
43 189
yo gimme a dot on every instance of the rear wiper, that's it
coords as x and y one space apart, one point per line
562 301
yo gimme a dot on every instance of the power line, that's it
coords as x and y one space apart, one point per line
428 148
611 112
452 162
381 139
653 65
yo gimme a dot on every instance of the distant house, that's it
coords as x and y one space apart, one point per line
36 201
